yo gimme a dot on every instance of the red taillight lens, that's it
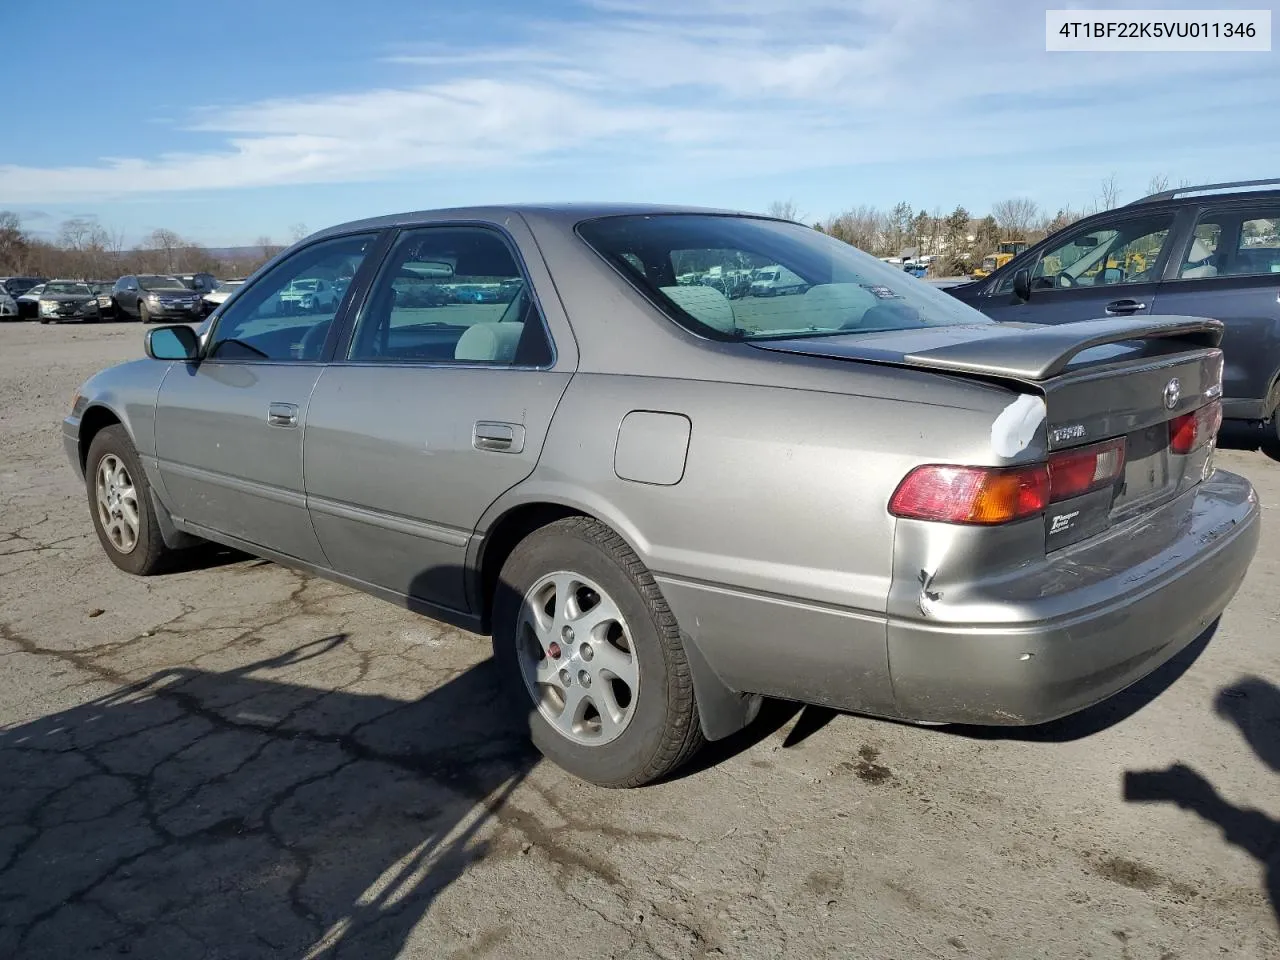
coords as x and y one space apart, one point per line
981 495
1193 430
1073 473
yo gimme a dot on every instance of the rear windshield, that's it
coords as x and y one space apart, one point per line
705 272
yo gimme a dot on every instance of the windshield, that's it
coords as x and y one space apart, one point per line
160 283
82 289
697 268
228 286
304 285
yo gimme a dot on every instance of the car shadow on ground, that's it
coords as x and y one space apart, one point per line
1253 705
245 814
1250 436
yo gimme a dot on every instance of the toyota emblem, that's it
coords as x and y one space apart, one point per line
1172 393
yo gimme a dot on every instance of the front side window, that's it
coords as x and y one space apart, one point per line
743 278
1117 254
451 295
287 313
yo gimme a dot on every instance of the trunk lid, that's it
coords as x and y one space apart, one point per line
1101 380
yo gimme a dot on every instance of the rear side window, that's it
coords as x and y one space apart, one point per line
1234 243
452 294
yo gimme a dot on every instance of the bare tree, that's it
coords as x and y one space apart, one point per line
862 227
268 247
1109 198
1157 184
1015 216
299 230
14 245
785 210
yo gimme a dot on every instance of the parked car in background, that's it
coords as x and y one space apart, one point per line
17 286
201 283
313 295
775 281
665 504
151 297
8 306
102 290
218 295
68 301
1210 251
29 302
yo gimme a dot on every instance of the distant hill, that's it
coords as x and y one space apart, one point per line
236 254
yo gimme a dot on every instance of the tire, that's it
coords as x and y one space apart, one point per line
660 729
148 554
44 321
143 314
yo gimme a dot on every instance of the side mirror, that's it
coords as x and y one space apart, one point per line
1022 284
172 343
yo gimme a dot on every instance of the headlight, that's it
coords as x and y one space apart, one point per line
153 299
48 308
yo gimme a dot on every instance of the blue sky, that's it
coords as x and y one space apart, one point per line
228 121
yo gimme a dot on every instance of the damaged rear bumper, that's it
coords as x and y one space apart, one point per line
1090 623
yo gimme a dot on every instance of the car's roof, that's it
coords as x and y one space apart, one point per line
566 213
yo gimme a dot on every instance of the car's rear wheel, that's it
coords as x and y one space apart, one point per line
120 504
592 653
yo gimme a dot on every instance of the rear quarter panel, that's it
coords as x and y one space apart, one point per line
777 538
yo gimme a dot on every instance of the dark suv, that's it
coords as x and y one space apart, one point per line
1208 251
155 297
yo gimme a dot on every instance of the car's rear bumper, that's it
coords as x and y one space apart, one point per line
1130 618
1087 623
1237 409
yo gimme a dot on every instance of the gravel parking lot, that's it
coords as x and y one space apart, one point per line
241 761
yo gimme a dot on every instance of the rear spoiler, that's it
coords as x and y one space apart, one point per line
1044 351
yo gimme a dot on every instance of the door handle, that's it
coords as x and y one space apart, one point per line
1125 306
282 414
498 436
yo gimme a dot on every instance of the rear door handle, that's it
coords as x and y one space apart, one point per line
498 436
282 414
1125 306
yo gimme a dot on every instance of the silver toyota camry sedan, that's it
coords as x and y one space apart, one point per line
666 496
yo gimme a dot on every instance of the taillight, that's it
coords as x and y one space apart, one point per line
991 495
1073 473
1191 431
981 495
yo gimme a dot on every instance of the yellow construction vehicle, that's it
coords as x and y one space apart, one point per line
1005 251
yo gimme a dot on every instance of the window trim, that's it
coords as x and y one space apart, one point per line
341 355
337 328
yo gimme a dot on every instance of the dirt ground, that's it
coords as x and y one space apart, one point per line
238 761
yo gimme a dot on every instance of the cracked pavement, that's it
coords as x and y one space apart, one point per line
240 761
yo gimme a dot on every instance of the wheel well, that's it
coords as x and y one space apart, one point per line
91 422
512 527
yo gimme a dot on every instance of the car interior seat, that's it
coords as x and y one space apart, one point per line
705 304
489 343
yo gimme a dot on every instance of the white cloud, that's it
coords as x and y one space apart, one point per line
747 86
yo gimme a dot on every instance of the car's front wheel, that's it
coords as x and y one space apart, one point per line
120 504
593 654
143 313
